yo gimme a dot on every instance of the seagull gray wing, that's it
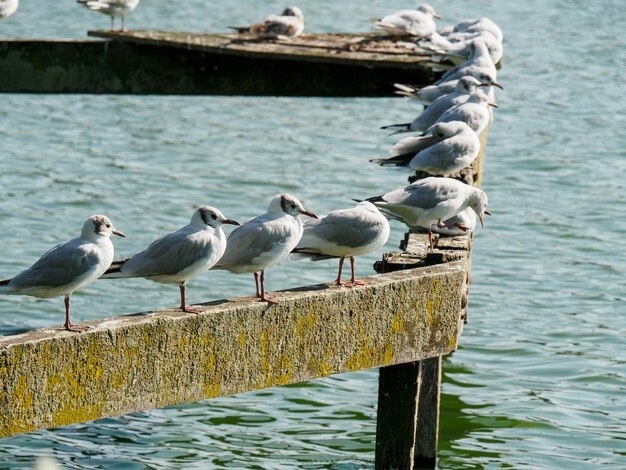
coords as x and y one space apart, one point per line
251 240
346 227
168 255
59 266
412 145
424 194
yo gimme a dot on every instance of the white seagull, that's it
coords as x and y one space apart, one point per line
7 8
264 241
289 24
474 112
462 50
430 93
475 26
479 63
343 233
181 255
431 200
446 148
68 266
112 8
464 88
419 23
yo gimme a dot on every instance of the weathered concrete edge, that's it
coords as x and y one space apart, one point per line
52 378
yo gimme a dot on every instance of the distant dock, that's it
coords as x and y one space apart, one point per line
154 62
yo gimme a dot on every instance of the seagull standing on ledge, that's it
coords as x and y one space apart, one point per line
7 8
431 200
289 24
344 233
181 255
265 241
112 8
69 266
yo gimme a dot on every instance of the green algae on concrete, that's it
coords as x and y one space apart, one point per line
124 364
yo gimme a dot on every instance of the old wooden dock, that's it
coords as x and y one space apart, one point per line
152 62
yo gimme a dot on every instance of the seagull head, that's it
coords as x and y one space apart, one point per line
425 8
478 202
445 130
467 85
290 205
211 217
99 226
481 97
488 79
293 11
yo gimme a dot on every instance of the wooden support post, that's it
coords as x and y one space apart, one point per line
408 415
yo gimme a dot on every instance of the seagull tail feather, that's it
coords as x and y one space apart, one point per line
397 160
5 282
115 270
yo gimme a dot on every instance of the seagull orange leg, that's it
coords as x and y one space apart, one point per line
265 298
256 281
183 305
338 280
430 237
354 280
69 326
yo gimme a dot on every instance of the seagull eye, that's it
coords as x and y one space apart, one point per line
293 206
213 216
108 225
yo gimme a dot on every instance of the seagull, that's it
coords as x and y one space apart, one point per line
7 8
419 23
464 88
431 200
289 24
430 93
112 8
265 241
445 148
179 256
69 266
479 63
343 233
475 26
462 50
466 217
474 112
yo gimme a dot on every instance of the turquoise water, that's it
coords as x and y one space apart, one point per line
539 380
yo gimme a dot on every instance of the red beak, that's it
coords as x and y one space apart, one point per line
310 214
118 233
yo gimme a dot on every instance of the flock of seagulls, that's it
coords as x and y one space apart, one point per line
457 111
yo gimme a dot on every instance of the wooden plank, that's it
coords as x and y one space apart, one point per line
125 364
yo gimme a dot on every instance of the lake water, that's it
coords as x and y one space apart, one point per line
540 378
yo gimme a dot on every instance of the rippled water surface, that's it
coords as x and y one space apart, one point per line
539 380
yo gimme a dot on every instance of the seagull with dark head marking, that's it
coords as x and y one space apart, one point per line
431 200
181 255
68 266
265 241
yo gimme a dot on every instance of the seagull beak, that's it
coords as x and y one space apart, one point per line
310 214
486 212
496 84
435 15
118 233
231 222
492 104
485 84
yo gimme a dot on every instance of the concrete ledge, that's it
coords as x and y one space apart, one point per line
124 364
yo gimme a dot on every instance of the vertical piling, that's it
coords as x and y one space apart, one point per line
408 415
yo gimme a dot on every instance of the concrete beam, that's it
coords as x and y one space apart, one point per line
125 364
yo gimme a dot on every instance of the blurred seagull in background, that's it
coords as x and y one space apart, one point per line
289 24
343 233
419 23
265 241
7 8
464 88
181 255
68 266
444 149
112 8
431 200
